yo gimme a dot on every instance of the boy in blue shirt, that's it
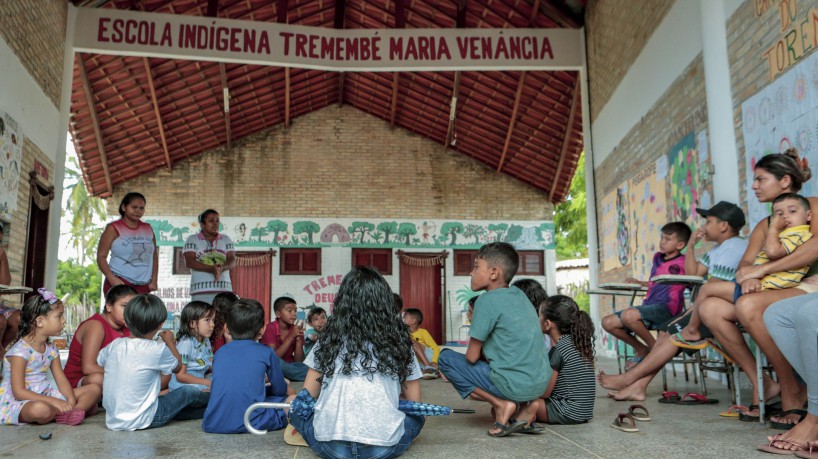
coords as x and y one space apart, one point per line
505 329
239 369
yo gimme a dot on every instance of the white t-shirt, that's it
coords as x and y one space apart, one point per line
722 260
209 254
355 408
131 386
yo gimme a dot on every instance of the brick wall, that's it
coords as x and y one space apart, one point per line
617 32
338 162
35 30
681 108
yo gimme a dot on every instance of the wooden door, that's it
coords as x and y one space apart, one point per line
420 287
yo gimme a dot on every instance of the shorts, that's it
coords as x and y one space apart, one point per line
737 293
7 311
555 417
652 315
676 325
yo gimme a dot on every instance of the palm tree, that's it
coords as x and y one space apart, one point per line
85 211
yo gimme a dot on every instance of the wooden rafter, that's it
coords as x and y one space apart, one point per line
460 22
566 140
339 23
149 74
226 95
400 23
520 84
89 98
286 97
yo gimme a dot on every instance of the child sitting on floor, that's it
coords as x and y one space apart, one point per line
358 371
26 395
662 302
536 294
425 347
193 344
94 334
222 302
133 366
286 336
238 375
317 318
789 228
569 398
506 330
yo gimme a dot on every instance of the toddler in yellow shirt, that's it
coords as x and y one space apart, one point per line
425 347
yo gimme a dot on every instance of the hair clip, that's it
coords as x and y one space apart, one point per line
47 296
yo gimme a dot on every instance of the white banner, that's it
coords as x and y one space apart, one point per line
134 33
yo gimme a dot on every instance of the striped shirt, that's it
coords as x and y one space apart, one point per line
790 238
575 390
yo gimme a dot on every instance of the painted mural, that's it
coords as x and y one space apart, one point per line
647 204
781 116
11 154
608 231
295 232
683 181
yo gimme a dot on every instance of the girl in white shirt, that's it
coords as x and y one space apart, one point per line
358 371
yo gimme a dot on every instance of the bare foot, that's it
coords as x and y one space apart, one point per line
771 388
503 412
630 393
803 433
691 334
613 382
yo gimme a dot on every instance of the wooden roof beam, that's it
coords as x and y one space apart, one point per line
520 84
566 140
338 23
89 98
460 22
400 23
226 103
149 74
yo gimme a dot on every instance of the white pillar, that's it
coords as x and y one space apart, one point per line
723 153
55 211
590 186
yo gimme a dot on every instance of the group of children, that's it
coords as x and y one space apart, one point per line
356 366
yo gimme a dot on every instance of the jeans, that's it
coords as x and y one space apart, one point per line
294 371
337 449
464 376
183 404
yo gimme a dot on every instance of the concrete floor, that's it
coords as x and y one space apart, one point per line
674 432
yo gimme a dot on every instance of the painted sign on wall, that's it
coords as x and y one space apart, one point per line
11 154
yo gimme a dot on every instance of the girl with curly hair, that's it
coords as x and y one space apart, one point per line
358 371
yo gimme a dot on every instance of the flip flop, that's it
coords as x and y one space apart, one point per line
734 411
770 448
812 453
744 417
292 437
532 429
692 398
506 429
717 347
621 424
788 425
669 397
678 341
639 413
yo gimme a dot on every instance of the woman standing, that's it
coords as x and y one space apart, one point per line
210 257
132 245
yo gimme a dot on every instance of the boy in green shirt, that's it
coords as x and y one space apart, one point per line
505 331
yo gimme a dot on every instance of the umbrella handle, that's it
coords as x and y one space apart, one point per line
257 406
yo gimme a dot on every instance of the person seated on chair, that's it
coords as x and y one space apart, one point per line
662 302
790 228
722 226
425 347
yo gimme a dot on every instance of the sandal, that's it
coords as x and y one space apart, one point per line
734 411
669 397
621 424
639 413
506 429
787 425
678 341
532 429
809 454
692 398
744 417
772 449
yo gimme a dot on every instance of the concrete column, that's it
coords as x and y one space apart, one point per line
590 186
721 131
55 211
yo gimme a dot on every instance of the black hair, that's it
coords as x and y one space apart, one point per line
501 255
144 314
35 306
245 319
398 303
222 302
194 310
564 313
315 312
786 164
415 313
533 290
205 214
364 327
128 198
118 291
795 197
678 229
473 300
282 301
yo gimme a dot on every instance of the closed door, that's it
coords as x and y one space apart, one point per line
420 287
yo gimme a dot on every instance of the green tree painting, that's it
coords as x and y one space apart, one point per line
407 230
360 228
499 229
306 227
388 228
258 232
451 229
475 231
160 227
179 233
275 227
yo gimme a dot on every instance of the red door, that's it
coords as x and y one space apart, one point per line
420 287
253 278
